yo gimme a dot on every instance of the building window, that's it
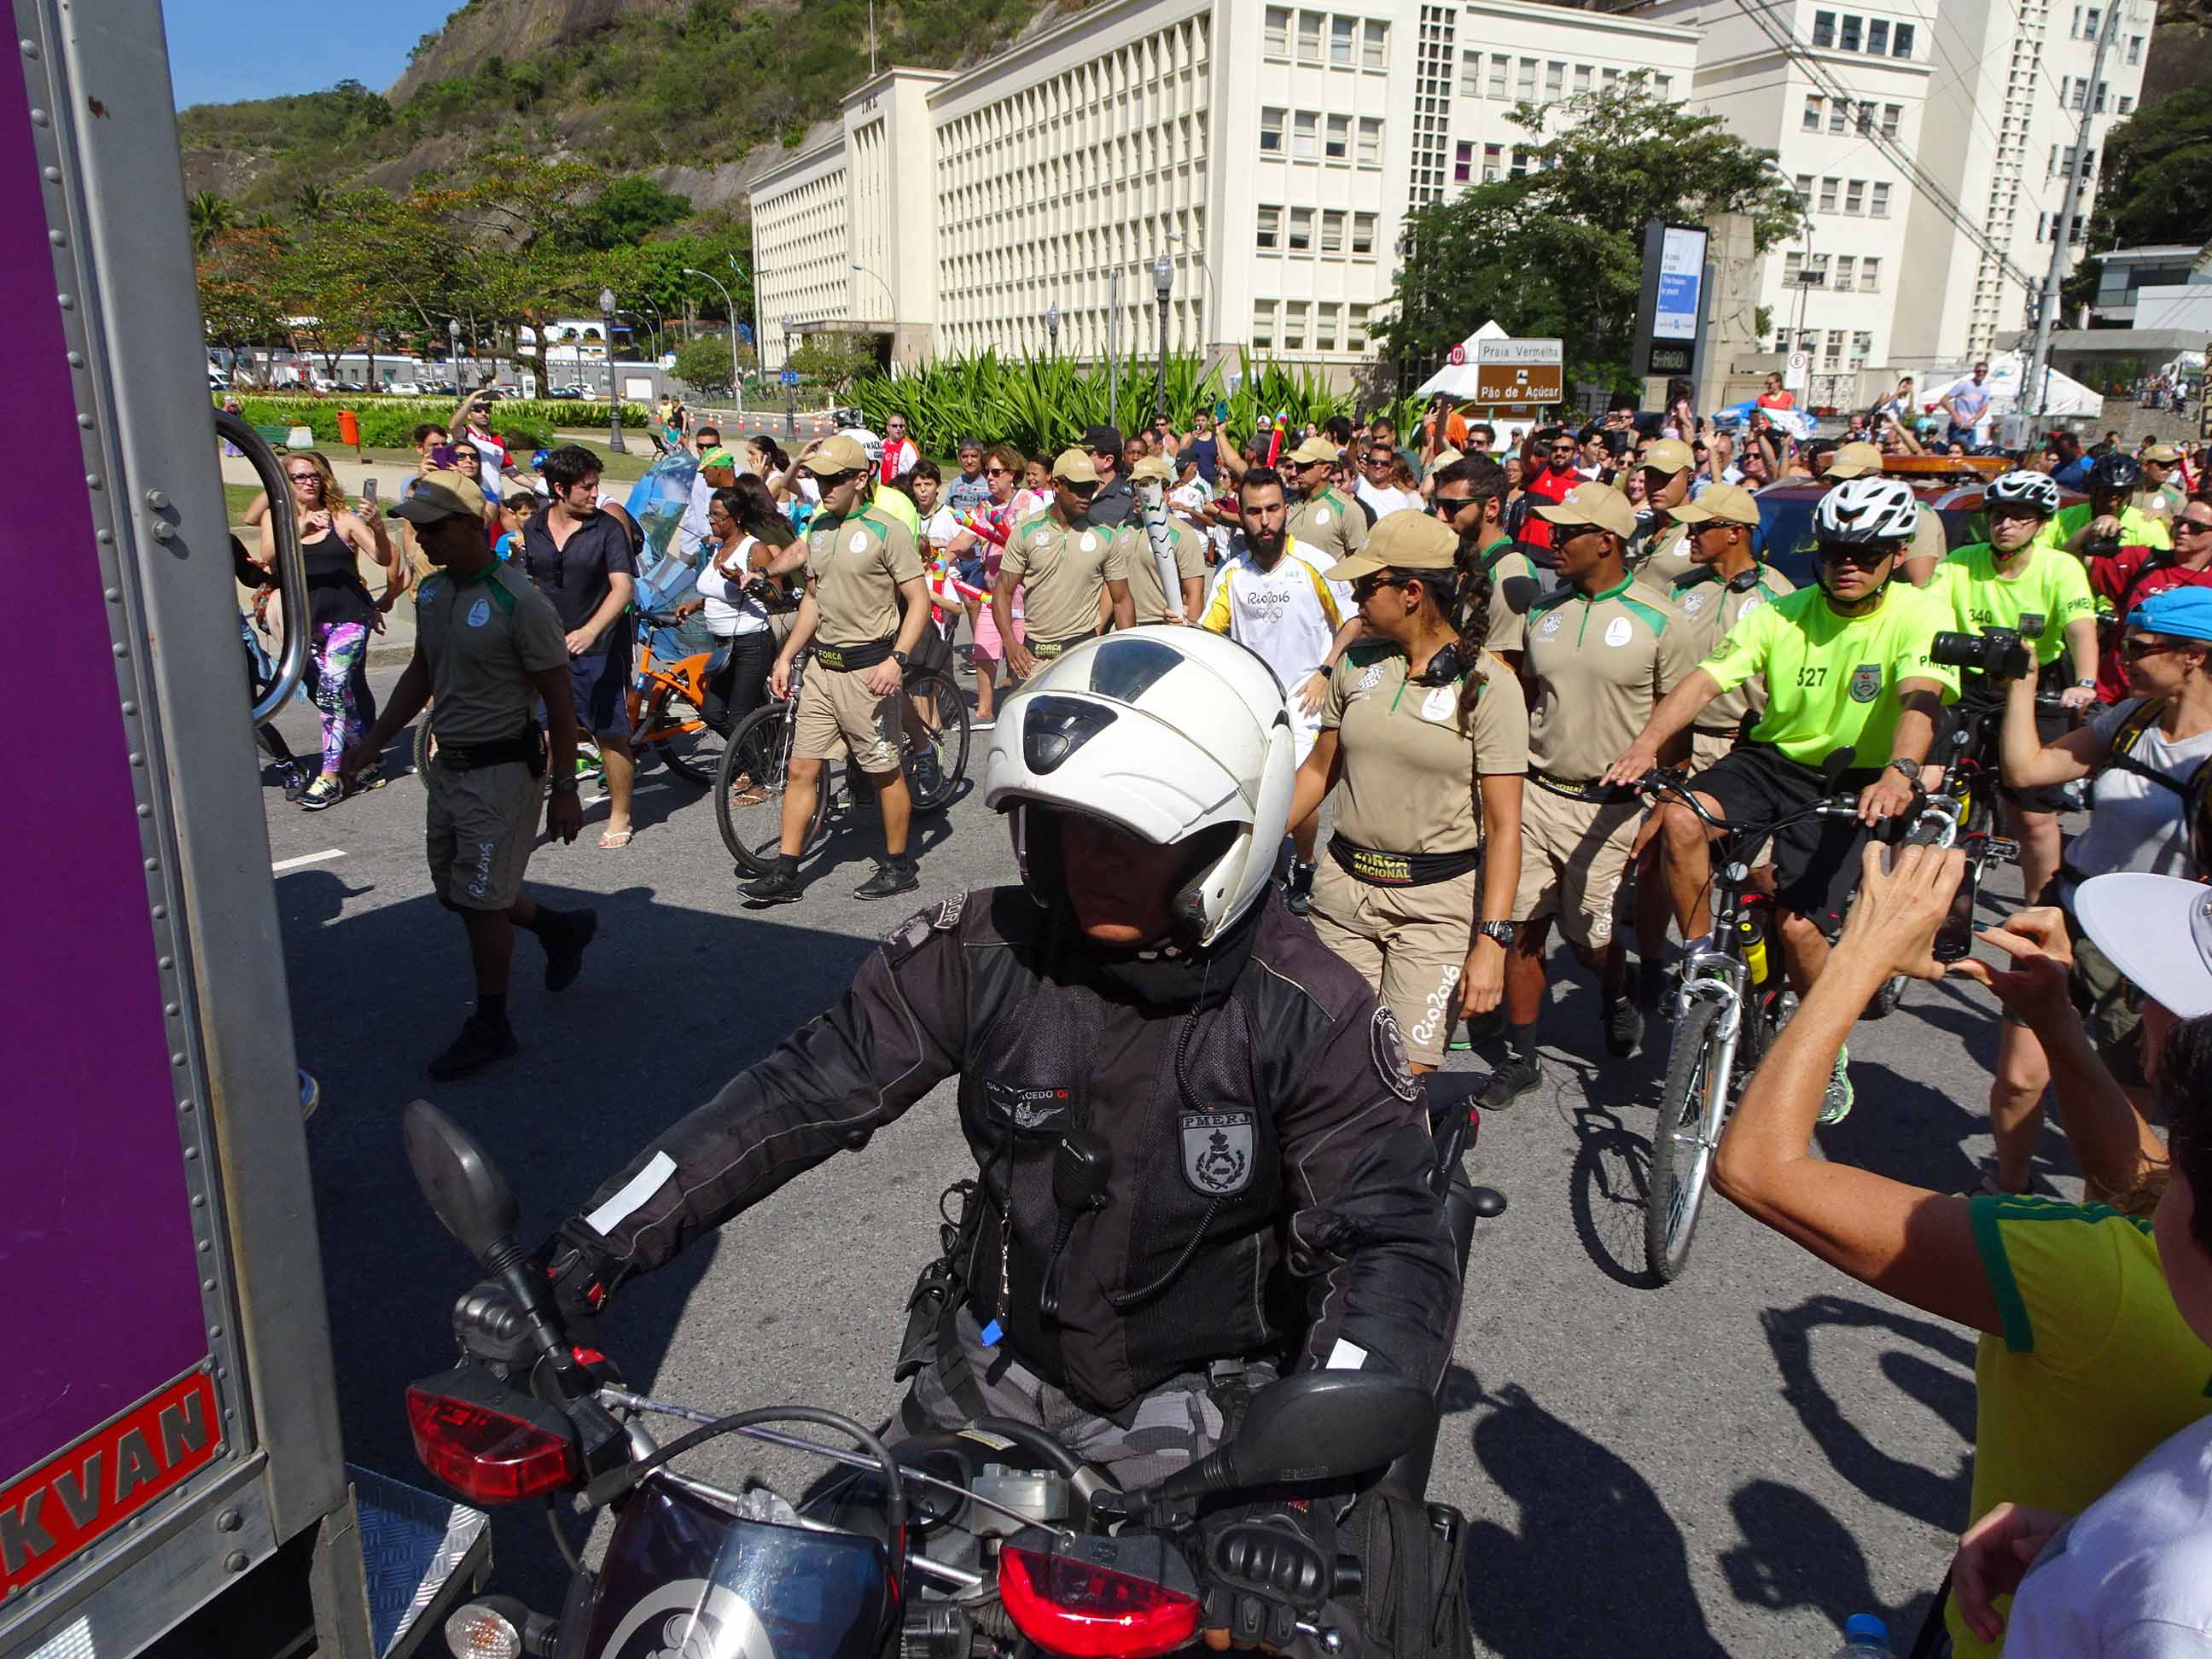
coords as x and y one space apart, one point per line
1325 327
1355 329
1493 159
1301 230
1891 115
1271 131
1275 38
1866 120
2092 22
1805 190
1520 167
1835 354
1470 75
1663 85
1878 37
1827 194
1363 233
1792 266
1269 232
1879 204
1845 269
1862 347
1901 41
2135 48
1812 123
1612 77
1524 81
1582 79
1464 162
1371 141
1869 276
1375 45
2127 105
1306 134
1499 63
1294 325
1839 114
1331 230
1338 145
1340 33
1855 196
2043 227
1308 37
1263 324
1555 79
1848 39
1824 28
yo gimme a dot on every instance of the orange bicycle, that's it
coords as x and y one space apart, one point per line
668 697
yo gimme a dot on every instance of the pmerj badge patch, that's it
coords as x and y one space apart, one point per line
1387 1046
2031 623
1866 681
1217 1152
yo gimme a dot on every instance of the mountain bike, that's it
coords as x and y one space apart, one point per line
757 765
668 697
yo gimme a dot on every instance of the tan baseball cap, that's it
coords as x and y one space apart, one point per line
1404 540
1154 467
1668 455
1595 503
837 453
1854 461
1445 458
1314 449
440 495
1728 503
1076 466
2165 453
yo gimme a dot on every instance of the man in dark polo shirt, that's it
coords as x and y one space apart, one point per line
580 555
1116 503
487 648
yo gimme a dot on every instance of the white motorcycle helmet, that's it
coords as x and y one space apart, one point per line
1169 733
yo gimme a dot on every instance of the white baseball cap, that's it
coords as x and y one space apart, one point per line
2157 932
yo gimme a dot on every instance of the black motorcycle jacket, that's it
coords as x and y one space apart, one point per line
1268 1147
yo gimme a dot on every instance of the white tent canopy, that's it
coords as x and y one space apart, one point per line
2008 374
1457 379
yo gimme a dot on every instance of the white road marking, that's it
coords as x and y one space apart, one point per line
282 865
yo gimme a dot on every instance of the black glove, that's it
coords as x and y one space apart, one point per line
490 1327
1262 1571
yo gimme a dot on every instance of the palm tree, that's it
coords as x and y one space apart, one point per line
210 215
310 201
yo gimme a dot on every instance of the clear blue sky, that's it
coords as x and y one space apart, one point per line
222 50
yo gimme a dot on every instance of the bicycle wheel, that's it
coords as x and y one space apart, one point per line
935 753
749 782
425 746
692 748
1692 1103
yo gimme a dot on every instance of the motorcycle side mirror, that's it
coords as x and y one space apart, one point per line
1313 1427
467 1194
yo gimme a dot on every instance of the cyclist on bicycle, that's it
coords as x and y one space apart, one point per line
2110 519
865 599
2014 580
1847 667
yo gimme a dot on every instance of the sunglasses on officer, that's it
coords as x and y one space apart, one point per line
1366 587
1082 492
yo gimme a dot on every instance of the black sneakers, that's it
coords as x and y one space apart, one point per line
1297 891
892 877
777 887
1623 1027
564 950
480 1044
1512 1080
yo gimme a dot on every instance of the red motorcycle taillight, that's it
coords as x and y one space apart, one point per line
1087 1612
485 1455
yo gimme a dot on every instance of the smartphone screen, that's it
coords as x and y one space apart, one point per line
441 455
369 489
1955 938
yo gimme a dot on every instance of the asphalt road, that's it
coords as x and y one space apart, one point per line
1733 1464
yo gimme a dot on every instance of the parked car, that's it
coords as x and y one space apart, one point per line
217 380
566 394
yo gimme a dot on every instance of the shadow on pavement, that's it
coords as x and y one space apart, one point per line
1926 1494
1795 1555
672 1004
1598 1565
1608 1184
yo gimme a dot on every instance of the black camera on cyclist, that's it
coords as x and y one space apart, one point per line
1998 652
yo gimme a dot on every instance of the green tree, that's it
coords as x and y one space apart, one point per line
702 362
1559 251
239 277
211 215
310 203
834 360
624 213
2156 185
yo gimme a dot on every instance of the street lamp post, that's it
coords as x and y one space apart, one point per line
1163 280
790 386
454 354
1206 268
730 312
614 401
1052 327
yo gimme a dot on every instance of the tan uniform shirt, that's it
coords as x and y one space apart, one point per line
1410 775
1133 545
1509 629
481 639
1328 524
1061 573
1929 541
1710 608
855 566
1597 666
1667 559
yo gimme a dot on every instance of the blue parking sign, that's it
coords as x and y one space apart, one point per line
791 377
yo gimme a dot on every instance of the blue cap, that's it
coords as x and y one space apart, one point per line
1867 1625
2185 611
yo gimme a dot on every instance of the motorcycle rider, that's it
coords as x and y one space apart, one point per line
1145 994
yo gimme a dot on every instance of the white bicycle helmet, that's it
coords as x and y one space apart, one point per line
1168 733
1860 510
2036 491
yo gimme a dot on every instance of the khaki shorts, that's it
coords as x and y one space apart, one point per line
1573 854
1409 943
479 831
836 709
1706 747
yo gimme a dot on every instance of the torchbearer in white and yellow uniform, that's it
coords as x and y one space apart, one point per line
1424 739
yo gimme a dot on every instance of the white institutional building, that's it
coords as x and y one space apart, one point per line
1269 154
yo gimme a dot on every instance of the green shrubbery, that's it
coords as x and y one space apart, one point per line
390 422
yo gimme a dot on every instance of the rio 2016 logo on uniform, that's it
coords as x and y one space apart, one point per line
1866 681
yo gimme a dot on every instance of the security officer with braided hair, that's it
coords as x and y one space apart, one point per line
1201 1157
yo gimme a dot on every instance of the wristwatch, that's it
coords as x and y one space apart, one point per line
1910 769
899 657
1503 932
565 785
2087 685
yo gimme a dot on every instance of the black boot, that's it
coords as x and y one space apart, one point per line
892 877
